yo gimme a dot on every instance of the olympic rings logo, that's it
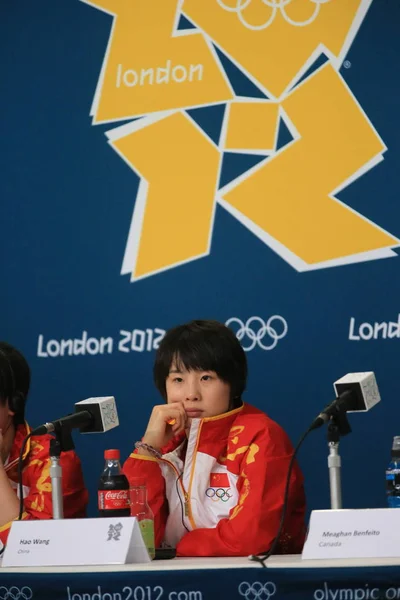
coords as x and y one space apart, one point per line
219 494
14 593
257 590
276 328
274 5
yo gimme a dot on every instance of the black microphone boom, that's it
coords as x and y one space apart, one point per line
342 403
73 421
356 392
94 415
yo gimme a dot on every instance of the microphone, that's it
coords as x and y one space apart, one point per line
94 415
355 392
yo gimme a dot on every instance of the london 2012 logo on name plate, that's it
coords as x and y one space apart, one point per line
165 58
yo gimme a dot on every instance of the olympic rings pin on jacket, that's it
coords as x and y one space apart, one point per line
224 496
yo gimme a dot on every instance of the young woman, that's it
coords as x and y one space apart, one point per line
215 468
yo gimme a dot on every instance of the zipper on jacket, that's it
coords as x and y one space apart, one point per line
186 504
194 465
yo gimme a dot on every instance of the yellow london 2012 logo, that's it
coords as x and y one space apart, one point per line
155 70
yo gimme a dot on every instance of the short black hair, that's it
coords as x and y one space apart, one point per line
203 345
15 378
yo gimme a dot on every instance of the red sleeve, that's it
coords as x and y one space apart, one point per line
75 495
252 524
148 468
36 476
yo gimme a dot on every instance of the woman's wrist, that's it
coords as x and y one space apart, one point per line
144 452
147 449
149 440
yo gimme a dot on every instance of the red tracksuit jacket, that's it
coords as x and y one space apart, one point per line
224 495
36 479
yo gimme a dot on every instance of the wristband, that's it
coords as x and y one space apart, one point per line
149 448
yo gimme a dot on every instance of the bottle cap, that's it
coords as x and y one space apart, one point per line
136 482
396 442
112 454
396 447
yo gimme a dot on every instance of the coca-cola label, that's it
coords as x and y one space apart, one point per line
113 499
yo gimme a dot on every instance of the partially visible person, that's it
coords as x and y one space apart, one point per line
215 467
14 388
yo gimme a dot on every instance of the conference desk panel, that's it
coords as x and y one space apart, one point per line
286 577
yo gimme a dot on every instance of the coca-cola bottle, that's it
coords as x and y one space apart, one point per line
113 490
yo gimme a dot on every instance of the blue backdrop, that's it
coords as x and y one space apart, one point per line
67 200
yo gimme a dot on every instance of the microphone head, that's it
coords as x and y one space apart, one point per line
363 387
103 411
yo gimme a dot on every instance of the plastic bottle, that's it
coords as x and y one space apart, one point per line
142 511
393 476
113 490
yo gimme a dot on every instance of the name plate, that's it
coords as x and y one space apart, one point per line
108 541
362 533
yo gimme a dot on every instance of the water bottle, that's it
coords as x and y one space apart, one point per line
393 475
113 490
142 511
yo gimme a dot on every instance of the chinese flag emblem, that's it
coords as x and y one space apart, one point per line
219 480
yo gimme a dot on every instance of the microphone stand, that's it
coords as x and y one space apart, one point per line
62 442
338 426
